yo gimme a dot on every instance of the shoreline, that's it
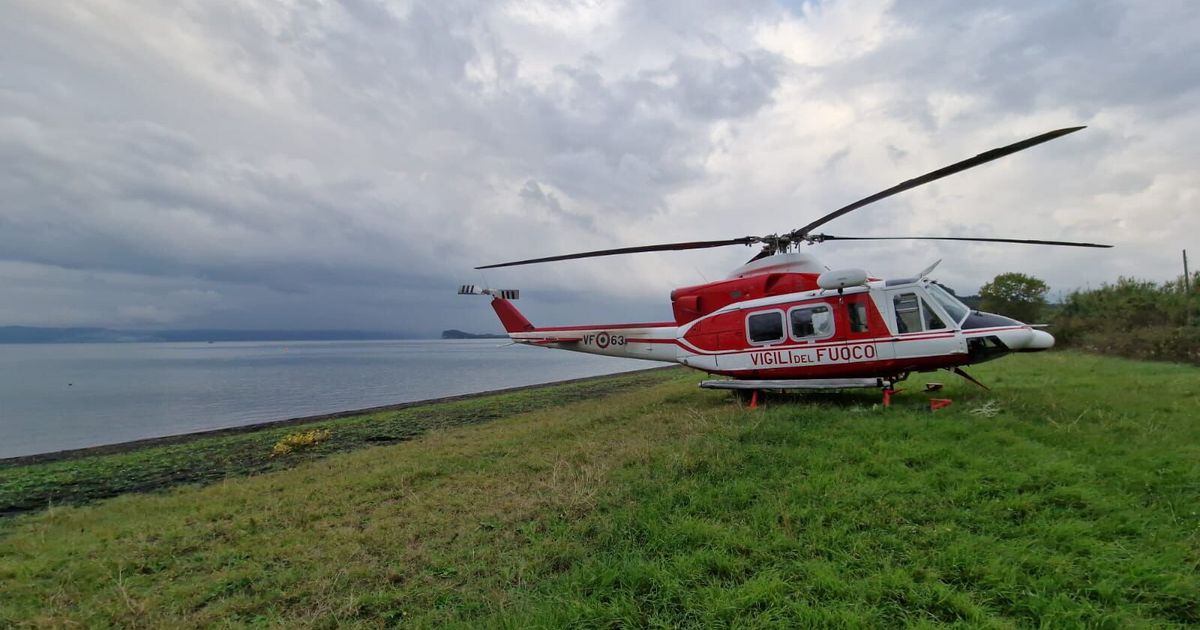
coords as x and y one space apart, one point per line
180 438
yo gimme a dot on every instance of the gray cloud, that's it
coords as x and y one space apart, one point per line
346 165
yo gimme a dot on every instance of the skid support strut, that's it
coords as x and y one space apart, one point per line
889 387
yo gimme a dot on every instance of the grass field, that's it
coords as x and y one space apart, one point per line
1067 496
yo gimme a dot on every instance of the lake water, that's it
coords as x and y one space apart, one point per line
55 397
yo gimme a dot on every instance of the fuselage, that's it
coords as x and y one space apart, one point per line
880 329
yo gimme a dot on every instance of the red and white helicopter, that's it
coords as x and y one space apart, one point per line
785 321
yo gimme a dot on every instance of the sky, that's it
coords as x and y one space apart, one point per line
310 164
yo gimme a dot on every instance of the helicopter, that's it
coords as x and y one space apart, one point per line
784 321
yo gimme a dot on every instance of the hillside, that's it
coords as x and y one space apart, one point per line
458 334
1064 497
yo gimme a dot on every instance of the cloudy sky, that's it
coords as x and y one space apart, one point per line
320 164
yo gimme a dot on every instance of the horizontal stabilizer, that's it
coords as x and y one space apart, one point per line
550 340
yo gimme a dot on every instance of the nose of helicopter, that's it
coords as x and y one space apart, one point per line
1012 334
1025 339
1038 340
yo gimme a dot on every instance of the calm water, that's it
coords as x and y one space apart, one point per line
55 397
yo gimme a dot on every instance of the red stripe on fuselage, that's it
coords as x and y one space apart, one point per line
975 331
606 327
881 368
919 336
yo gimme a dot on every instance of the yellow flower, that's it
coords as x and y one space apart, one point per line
304 439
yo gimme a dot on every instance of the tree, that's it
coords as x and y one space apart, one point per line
1016 295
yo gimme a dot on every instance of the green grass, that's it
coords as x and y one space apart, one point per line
1077 504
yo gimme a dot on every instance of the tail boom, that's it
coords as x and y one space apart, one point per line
653 341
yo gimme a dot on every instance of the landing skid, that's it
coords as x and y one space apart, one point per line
747 390
811 383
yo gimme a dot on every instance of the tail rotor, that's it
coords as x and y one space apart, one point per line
503 294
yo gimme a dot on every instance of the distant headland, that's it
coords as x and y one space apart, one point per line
37 334
458 334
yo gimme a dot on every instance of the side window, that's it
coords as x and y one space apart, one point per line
908 313
763 328
858 316
932 321
914 315
811 322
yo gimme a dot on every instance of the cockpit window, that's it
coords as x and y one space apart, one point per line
914 315
932 321
908 313
955 309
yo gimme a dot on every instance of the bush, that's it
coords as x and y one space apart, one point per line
1016 295
1133 318
299 440
1160 343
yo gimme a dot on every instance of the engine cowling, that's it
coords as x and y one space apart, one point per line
689 303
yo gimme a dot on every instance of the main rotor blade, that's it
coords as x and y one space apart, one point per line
664 247
982 158
1025 241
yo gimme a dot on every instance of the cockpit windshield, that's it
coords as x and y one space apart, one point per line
955 309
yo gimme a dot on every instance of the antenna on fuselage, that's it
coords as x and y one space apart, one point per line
928 270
